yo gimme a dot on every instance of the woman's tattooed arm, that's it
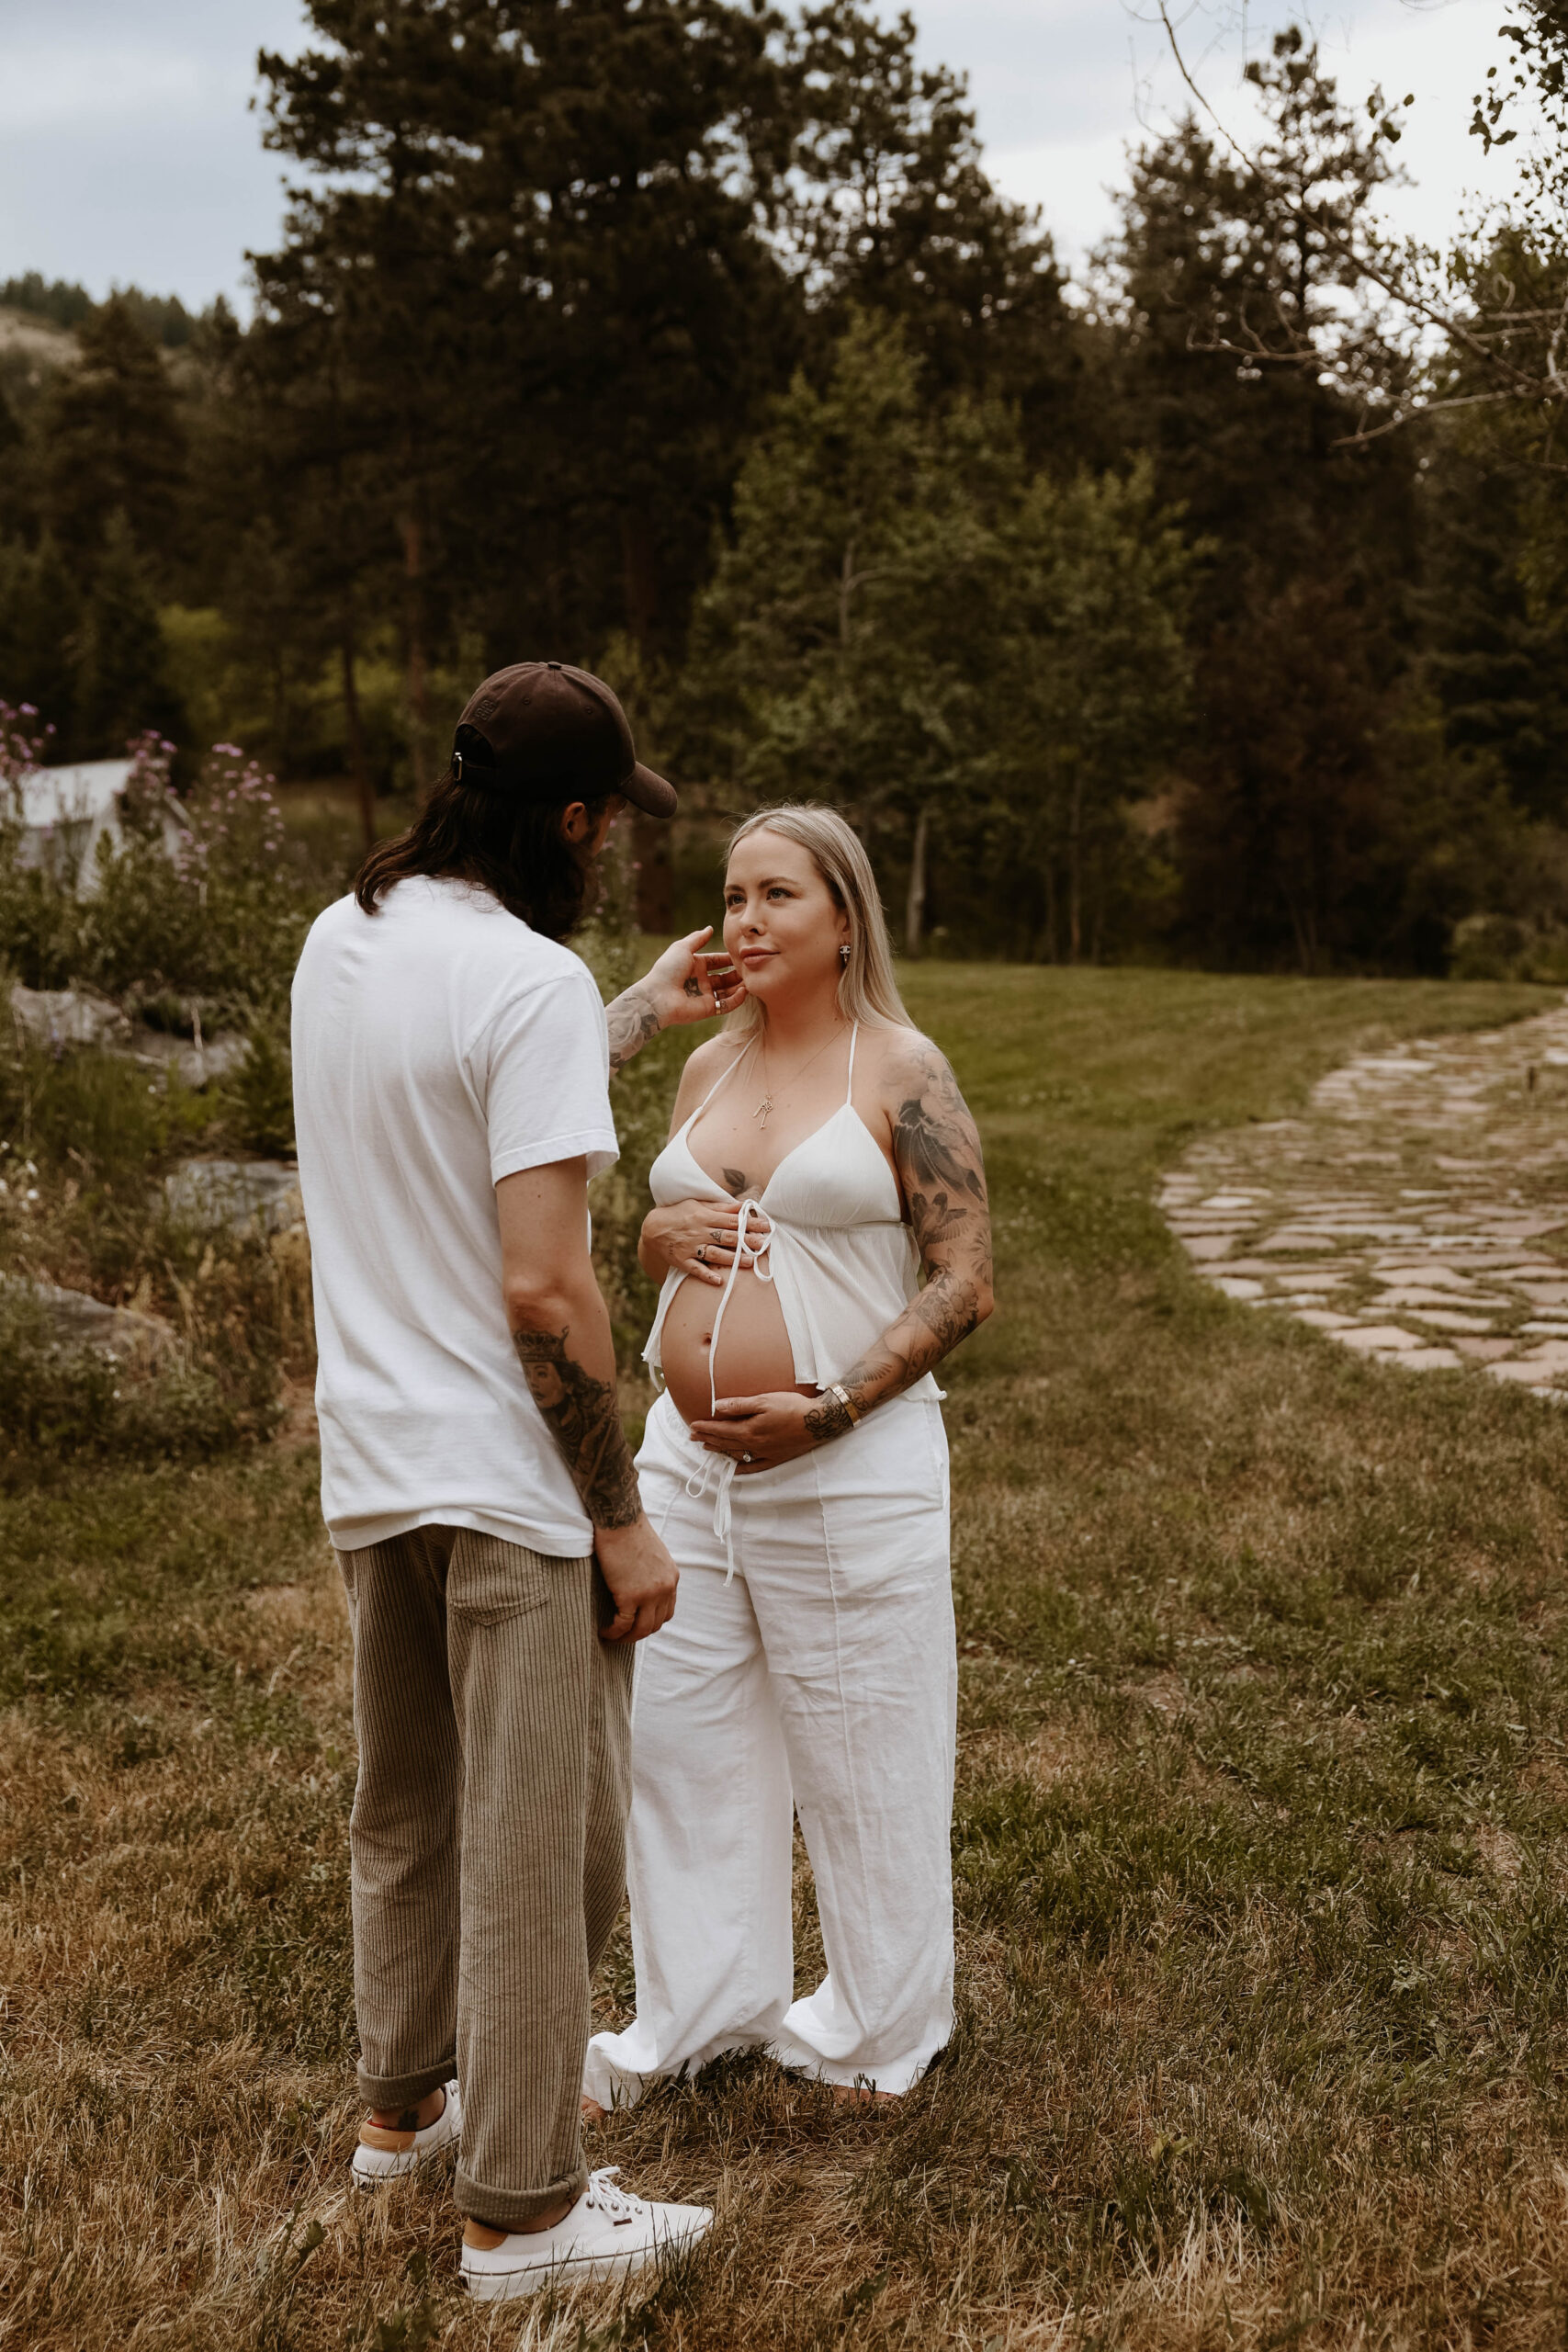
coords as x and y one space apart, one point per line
937 1153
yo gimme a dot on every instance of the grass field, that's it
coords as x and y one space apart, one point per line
1263 2030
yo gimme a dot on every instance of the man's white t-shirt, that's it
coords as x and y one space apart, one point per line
439 1046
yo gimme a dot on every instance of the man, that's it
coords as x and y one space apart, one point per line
451 1066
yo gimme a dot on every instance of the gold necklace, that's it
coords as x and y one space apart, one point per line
765 1103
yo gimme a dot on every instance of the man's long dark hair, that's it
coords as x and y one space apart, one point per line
512 847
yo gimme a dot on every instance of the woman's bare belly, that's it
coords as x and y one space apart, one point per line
754 1352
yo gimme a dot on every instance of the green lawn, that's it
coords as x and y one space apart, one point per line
1264 1946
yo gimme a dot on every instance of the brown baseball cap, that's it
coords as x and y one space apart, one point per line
546 731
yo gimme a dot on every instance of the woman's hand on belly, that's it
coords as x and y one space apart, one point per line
672 1236
761 1432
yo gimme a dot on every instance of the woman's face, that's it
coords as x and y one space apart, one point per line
781 925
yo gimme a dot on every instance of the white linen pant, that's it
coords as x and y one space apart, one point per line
823 1679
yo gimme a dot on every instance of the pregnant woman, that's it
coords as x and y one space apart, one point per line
821 1158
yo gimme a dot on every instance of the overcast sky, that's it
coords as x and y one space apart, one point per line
128 151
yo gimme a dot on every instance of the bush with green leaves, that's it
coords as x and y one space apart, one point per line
221 918
61 1401
641 1097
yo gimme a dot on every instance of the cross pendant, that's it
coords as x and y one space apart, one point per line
763 1107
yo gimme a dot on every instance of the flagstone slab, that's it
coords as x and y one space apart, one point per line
1443 1318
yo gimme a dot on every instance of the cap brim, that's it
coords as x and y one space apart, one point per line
649 792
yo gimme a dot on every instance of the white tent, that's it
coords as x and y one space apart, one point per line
66 812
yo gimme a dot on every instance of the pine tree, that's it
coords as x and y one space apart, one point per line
39 619
112 443
1302 627
893 210
123 685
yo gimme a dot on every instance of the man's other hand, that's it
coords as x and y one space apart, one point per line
641 1576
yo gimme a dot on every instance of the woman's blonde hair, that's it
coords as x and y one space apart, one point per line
867 990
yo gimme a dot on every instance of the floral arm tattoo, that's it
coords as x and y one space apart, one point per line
937 1153
633 1019
583 1417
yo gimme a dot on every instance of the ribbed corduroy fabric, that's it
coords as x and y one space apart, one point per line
488 1843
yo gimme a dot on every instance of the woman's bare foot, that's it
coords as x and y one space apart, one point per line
857 2095
590 2110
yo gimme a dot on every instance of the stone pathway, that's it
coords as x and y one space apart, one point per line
1418 1212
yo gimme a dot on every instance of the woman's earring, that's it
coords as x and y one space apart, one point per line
844 952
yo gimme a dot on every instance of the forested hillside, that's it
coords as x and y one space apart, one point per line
695 343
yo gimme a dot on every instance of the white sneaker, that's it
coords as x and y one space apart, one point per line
608 2234
384 2155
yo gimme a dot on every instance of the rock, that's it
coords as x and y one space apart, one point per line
1444 1318
61 1017
236 1194
58 1018
1377 1339
79 1320
1527 1374
215 1057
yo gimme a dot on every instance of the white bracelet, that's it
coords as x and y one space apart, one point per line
836 1388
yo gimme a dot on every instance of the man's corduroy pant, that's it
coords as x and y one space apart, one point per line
487 1842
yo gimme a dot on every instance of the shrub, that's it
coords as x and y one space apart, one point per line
1509 947
640 1097
223 917
59 1402
260 1097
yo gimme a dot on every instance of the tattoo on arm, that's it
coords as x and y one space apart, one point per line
937 1153
632 1020
827 1419
585 1422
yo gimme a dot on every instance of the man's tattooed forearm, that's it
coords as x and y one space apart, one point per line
585 1422
632 1020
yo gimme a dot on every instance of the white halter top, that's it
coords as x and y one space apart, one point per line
844 1261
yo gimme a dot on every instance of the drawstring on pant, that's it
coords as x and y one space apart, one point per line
696 1486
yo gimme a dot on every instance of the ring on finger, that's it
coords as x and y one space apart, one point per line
703 1255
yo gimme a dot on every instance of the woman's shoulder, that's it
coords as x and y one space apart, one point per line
707 1064
904 1060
